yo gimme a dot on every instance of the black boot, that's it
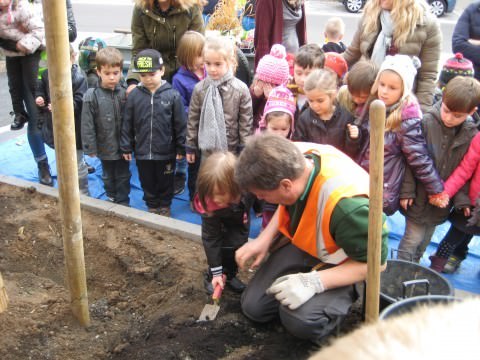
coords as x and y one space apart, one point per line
44 173
18 121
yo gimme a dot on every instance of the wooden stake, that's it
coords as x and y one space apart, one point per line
377 128
60 80
3 296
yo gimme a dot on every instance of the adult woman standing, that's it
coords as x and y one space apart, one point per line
390 27
159 25
283 22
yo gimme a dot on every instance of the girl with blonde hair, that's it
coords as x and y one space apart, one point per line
391 27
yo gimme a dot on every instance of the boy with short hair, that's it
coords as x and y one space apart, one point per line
308 58
333 33
154 127
101 124
448 130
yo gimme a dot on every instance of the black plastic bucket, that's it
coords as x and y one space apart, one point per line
404 279
408 305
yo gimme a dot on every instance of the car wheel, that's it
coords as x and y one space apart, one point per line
353 6
437 7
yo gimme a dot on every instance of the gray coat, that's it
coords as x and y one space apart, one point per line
101 122
446 146
237 107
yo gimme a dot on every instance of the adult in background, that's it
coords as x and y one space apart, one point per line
283 22
390 27
159 25
321 224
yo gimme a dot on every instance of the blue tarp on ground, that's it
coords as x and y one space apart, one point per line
16 160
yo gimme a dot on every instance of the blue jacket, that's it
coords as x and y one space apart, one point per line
184 81
468 27
153 124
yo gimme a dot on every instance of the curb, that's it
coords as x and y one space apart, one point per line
157 222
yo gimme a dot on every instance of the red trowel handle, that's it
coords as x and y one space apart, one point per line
217 293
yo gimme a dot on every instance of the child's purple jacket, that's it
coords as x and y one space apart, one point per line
184 81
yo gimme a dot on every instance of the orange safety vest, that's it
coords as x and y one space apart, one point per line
339 177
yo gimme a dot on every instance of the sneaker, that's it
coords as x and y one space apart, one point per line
44 175
18 121
452 264
236 285
164 211
179 184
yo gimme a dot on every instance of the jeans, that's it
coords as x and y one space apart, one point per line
116 180
22 74
415 240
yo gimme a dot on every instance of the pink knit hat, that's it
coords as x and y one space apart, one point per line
279 99
273 68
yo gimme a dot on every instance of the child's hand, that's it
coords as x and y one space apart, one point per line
439 200
258 88
467 212
21 48
127 157
50 107
179 157
267 88
40 101
352 131
218 280
130 88
405 203
191 158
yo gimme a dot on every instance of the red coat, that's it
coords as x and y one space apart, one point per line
269 27
468 169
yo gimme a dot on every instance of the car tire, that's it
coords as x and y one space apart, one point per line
353 6
437 7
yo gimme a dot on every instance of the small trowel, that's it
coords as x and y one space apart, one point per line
210 311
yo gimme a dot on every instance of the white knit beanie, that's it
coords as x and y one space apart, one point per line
405 66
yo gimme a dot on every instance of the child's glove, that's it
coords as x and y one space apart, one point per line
439 200
296 289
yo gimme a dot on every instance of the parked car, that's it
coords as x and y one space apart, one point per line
437 7
354 6
440 7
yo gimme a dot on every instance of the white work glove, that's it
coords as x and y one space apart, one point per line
296 289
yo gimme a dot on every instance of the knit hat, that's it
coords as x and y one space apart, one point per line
405 66
148 60
88 49
279 99
273 68
457 65
337 63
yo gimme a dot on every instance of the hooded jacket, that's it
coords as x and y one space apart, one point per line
446 147
153 124
162 32
405 145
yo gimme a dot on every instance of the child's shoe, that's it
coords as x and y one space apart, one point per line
18 121
44 173
452 264
164 211
236 284
438 263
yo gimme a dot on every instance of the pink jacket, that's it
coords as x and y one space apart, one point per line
468 169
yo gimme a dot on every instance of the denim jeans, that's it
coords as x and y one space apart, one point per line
22 72
415 240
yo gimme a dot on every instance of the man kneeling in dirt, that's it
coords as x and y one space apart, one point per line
321 224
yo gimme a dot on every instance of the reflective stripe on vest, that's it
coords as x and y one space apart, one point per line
339 177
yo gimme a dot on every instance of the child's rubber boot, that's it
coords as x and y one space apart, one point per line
438 263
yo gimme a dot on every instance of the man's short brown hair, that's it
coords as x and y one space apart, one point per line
109 56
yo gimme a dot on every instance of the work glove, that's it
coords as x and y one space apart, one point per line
296 289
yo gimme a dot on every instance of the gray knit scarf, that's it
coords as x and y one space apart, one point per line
384 39
212 133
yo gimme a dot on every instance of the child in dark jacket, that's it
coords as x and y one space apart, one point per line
404 143
102 122
190 73
225 219
324 122
448 129
154 129
43 101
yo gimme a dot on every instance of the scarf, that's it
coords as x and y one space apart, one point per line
384 39
212 133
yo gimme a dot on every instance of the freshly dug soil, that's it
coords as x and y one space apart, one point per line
145 292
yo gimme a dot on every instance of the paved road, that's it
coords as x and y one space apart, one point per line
102 17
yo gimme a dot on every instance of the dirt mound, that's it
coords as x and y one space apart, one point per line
145 293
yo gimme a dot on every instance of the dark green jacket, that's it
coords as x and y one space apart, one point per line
150 30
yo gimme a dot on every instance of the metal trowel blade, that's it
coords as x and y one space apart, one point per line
209 312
